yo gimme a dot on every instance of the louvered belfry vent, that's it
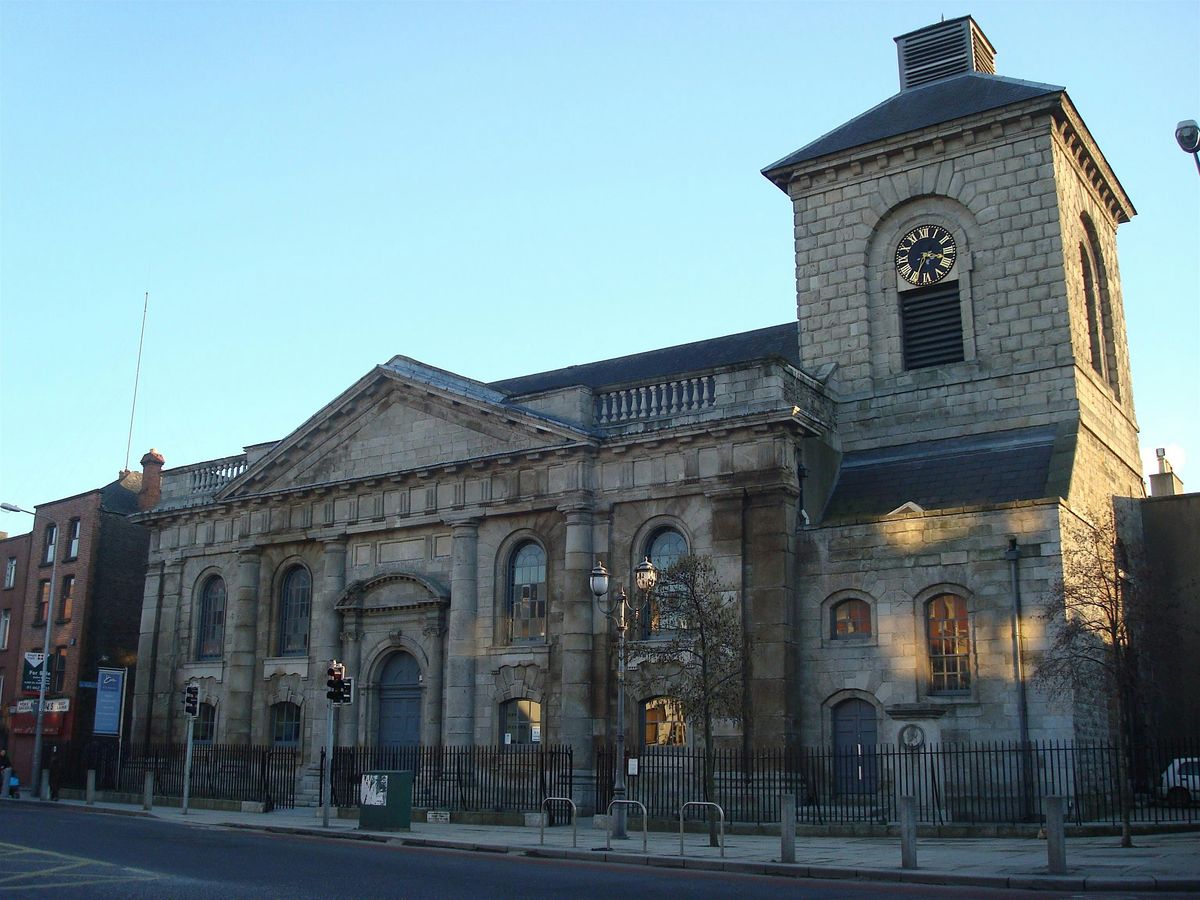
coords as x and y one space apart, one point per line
931 326
942 50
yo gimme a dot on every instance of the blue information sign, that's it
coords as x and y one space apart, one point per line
110 694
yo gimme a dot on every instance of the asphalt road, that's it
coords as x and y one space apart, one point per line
61 851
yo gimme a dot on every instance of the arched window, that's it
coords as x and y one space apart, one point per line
527 594
851 620
1092 302
665 547
520 721
205 729
1102 333
285 725
662 723
295 608
949 645
210 627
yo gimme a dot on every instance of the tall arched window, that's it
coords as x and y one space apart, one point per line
1103 334
1094 322
527 594
210 627
285 725
665 547
295 609
949 645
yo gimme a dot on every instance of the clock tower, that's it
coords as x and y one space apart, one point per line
956 267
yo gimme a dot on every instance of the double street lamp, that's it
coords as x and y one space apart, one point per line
619 609
45 677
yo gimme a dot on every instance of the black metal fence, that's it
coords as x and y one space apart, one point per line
992 783
219 771
500 779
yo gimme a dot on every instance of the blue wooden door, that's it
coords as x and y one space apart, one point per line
400 702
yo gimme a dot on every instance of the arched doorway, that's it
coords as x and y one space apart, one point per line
400 702
854 739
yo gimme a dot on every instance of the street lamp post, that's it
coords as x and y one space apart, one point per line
45 679
618 609
1187 135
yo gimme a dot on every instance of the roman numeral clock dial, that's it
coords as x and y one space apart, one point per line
925 255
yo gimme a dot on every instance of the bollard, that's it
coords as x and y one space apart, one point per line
787 828
90 795
148 792
1056 839
44 787
908 833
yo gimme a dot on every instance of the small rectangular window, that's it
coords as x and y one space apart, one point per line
73 539
50 545
10 572
5 621
67 605
43 609
58 669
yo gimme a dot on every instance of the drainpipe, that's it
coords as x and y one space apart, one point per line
1013 555
158 605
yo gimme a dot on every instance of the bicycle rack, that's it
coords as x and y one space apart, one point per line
645 823
574 823
720 813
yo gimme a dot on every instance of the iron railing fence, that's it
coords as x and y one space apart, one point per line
499 779
977 783
262 774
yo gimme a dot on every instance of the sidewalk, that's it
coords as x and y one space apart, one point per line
1157 862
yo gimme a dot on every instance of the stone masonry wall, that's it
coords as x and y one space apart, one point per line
896 564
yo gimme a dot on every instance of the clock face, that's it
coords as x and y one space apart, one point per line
925 255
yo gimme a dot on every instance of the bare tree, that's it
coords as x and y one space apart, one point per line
702 651
1095 613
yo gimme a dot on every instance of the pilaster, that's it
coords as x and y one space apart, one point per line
243 659
459 707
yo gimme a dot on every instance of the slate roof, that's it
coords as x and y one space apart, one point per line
777 341
1000 467
916 108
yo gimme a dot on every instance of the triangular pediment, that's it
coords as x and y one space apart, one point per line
401 417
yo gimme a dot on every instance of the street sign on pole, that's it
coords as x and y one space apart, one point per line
33 671
110 694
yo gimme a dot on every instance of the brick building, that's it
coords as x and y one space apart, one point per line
879 479
96 556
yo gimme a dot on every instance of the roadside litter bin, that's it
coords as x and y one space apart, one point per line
385 801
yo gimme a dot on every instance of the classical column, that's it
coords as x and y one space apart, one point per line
459 706
350 717
576 638
167 703
433 633
243 656
325 642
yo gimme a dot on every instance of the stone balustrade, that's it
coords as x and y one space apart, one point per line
652 401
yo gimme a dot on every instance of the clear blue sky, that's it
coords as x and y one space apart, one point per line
306 190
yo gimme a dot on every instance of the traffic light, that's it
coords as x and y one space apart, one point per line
347 690
191 698
336 672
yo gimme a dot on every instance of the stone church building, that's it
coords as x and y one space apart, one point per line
880 480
